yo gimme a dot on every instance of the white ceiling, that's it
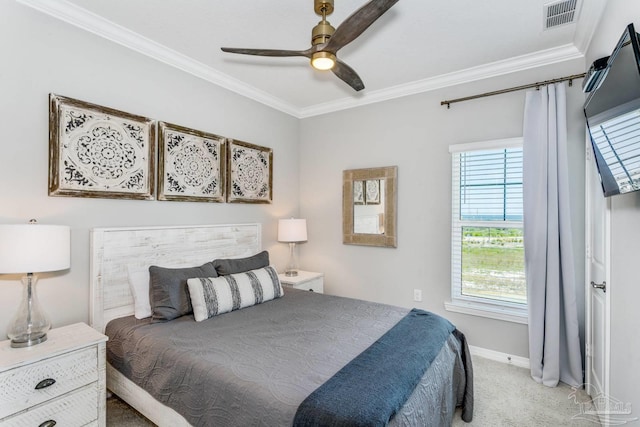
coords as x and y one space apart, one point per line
417 45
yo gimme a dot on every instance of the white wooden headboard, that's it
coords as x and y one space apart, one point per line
114 250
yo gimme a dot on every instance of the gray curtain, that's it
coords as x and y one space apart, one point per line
554 343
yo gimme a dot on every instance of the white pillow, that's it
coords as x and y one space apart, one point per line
139 284
211 296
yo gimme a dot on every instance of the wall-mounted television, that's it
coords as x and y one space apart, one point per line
612 110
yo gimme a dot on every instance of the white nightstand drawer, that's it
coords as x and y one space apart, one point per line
78 408
305 280
314 285
69 372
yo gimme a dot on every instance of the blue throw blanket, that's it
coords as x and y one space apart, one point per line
371 388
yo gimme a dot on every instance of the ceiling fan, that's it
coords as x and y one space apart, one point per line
326 40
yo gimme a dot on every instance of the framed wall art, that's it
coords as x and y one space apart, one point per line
358 192
249 173
191 164
372 192
96 151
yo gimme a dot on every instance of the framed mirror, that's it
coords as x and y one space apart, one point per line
369 206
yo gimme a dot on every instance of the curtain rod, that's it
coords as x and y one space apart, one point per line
513 89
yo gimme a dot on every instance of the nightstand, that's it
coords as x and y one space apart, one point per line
305 280
58 382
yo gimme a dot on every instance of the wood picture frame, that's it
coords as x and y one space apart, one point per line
386 220
249 173
96 151
191 164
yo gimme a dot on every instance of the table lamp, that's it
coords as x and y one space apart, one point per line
32 248
292 231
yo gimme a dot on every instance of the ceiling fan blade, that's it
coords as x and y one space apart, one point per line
348 75
355 24
268 52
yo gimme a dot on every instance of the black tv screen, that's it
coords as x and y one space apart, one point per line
612 111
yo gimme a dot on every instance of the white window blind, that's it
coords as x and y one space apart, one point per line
490 185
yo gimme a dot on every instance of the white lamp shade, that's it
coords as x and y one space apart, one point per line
292 230
33 248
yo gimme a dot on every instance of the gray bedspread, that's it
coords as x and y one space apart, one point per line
253 367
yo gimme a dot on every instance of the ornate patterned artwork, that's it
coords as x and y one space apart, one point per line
97 151
250 173
191 165
358 192
372 196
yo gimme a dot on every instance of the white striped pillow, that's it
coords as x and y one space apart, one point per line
211 296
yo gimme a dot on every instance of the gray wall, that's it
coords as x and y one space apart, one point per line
42 55
414 133
624 287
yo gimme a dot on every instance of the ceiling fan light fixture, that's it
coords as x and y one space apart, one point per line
326 41
323 61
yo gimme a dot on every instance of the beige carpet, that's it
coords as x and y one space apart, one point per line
505 395
119 414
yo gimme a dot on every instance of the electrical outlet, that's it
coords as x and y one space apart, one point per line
417 295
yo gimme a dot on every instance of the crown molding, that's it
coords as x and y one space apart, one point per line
95 24
587 23
512 65
90 22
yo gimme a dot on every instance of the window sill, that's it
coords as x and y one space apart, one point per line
492 312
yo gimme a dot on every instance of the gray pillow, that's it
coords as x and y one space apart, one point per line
168 292
241 265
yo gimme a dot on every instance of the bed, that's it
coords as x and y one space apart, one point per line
268 363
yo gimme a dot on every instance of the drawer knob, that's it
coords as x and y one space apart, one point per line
48 382
48 423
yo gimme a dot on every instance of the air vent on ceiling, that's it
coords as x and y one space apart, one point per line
560 13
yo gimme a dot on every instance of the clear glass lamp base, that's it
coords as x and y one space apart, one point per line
30 324
28 340
292 267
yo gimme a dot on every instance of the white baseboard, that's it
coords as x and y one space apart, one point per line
498 356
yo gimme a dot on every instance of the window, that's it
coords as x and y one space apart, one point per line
487 259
